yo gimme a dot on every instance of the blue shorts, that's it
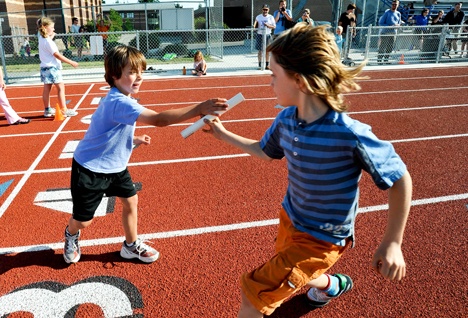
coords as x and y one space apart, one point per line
51 75
259 41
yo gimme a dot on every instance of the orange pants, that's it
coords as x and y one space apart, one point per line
299 259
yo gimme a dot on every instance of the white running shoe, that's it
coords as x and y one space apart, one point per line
70 113
139 250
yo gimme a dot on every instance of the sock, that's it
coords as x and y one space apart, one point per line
129 245
333 287
267 63
68 233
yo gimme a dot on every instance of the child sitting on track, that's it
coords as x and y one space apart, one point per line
325 152
100 159
199 64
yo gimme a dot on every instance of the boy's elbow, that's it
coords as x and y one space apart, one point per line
161 122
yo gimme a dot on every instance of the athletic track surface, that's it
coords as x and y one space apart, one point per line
211 210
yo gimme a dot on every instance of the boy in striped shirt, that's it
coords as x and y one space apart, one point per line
325 152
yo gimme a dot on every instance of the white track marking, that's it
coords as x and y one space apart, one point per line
249 119
193 159
33 166
211 229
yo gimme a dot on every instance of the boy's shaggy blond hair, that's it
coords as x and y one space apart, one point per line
312 54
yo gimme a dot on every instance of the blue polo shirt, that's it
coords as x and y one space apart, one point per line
325 160
108 143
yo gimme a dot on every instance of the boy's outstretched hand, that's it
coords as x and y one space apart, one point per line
389 261
213 106
216 127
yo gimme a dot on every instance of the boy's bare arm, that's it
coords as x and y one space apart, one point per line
388 259
250 146
177 115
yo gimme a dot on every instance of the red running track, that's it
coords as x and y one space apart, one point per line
211 210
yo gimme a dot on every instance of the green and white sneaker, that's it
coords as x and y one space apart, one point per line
317 298
49 112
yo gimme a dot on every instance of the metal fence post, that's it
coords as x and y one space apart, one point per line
263 50
5 73
368 40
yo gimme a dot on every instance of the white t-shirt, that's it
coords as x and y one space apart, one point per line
261 20
47 48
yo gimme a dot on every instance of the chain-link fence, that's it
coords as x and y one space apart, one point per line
406 45
165 51
169 51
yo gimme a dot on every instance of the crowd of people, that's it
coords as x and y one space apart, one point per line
392 19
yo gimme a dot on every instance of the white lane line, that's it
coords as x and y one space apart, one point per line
33 166
248 119
210 229
193 159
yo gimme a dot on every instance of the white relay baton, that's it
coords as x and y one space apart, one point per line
201 122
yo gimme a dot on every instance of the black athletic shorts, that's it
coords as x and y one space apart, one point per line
88 189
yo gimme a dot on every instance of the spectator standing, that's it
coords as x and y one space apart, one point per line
422 21
439 18
347 20
75 29
391 18
339 37
464 39
281 15
10 114
264 23
454 17
27 47
306 18
103 27
51 66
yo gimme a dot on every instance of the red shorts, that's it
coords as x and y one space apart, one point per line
299 259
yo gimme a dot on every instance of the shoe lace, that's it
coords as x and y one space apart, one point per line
71 243
141 247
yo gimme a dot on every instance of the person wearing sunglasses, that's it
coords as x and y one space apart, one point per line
264 23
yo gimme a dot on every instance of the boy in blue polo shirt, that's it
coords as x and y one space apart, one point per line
325 152
100 160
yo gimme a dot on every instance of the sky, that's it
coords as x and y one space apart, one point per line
185 3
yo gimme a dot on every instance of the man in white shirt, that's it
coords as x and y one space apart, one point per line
265 22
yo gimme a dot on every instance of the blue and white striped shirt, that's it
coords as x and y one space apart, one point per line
325 159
